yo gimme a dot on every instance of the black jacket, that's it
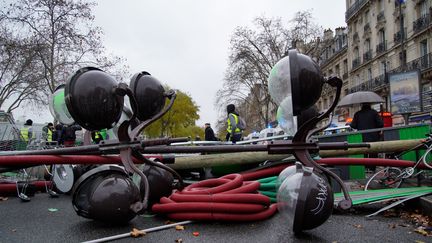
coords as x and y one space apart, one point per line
367 118
209 134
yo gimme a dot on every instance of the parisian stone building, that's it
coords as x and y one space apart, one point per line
382 38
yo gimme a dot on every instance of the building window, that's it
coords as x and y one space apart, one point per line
381 36
380 5
383 67
367 45
366 16
424 9
345 66
423 48
337 71
369 74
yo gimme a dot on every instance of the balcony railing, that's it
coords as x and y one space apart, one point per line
421 63
381 47
421 23
398 36
381 16
356 62
373 84
377 83
367 56
355 36
366 27
325 60
354 9
345 76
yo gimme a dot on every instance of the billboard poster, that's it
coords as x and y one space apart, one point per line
405 93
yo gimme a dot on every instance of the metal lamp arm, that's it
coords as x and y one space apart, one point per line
302 134
171 95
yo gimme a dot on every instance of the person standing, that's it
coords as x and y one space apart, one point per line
368 118
47 132
26 131
98 136
57 136
234 133
209 133
69 135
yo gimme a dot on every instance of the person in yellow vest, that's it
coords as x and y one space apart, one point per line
47 132
234 133
98 136
26 131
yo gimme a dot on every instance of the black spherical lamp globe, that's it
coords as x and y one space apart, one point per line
106 194
91 99
305 199
295 80
149 94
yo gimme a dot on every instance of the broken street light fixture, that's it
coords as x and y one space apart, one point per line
295 84
91 99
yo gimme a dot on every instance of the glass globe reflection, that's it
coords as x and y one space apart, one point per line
287 172
285 117
287 196
57 106
279 81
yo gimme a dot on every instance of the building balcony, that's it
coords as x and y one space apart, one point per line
356 62
421 63
356 37
344 76
366 27
398 37
421 23
373 84
367 56
354 8
381 47
381 16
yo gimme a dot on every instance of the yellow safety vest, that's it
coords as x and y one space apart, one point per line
24 131
49 135
237 130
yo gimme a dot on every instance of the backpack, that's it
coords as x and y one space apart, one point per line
241 123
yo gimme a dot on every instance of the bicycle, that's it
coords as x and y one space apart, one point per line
394 177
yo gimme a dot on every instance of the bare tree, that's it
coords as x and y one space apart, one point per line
18 81
253 53
63 38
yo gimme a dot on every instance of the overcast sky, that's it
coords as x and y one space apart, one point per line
185 43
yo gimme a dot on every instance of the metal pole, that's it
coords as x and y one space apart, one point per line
401 24
120 236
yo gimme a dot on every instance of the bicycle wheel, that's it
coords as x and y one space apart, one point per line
427 158
385 178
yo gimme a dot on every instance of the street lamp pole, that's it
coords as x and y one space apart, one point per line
403 56
402 31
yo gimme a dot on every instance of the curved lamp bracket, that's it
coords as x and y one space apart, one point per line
303 134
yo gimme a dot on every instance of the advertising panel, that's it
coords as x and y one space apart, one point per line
405 95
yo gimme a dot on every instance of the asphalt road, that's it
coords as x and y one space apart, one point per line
34 222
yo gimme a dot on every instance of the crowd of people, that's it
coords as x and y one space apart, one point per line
63 135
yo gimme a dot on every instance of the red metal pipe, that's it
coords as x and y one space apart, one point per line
369 162
10 188
25 160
